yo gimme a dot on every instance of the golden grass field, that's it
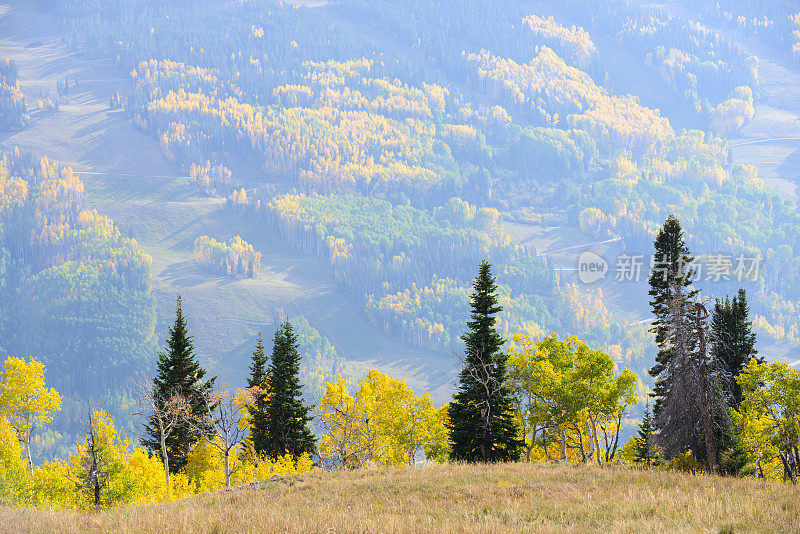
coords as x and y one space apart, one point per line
457 498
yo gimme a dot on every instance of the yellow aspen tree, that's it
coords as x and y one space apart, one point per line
26 401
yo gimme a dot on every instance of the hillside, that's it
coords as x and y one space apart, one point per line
458 498
373 155
128 179
239 242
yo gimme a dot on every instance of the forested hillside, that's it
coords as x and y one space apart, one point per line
397 145
75 292
504 109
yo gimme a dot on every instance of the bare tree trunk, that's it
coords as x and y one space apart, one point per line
94 474
167 411
26 443
587 454
758 464
563 444
616 437
530 446
165 458
705 400
227 469
596 442
789 468
96 490
580 442
545 445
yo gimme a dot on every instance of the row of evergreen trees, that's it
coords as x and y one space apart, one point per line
695 378
482 428
278 418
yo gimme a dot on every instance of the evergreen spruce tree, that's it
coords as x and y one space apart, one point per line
180 374
733 344
646 450
287 417
481 426
671 294
257 382
687 407
734 457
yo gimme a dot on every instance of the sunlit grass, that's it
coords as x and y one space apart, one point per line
458 498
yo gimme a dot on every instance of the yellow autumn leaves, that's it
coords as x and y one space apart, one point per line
25 402
381 423
236 257
127 473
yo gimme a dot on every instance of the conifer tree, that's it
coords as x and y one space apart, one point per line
670 290
733 344
687 407
482 427
646 450
287 417
257 383
179 374
734 457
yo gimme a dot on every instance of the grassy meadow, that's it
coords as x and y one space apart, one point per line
456 498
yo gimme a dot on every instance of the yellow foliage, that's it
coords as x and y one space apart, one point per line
13 189
25 400
284 466
686 461
14 479
237 257
551 88
205 470
51 486
574 41
383 422
128 475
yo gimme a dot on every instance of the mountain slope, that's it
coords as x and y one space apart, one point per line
128 179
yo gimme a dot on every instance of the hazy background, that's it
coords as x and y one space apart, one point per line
373 153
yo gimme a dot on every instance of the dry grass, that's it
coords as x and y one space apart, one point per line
460 498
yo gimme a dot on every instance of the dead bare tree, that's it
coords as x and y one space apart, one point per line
92 468
95 476
165 412
701 314
222 419
483 372
680 416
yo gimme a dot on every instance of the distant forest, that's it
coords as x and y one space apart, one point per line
392 139
445 124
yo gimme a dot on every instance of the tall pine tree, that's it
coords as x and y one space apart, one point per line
482 427
287 416
180 374
671 294
733 344
257 382
687 408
